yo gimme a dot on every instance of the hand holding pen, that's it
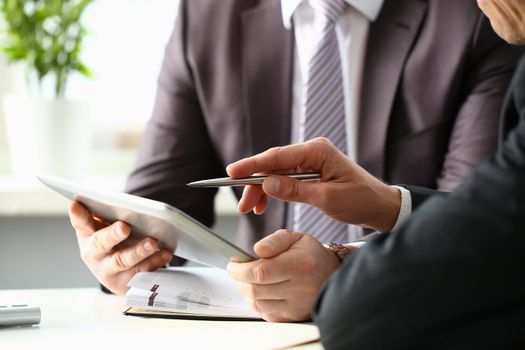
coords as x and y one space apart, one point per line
250 180
345 191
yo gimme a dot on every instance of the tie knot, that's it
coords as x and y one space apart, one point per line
331 9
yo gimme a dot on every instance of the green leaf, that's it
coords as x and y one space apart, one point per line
47 35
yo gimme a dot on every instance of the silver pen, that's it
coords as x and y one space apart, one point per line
252 180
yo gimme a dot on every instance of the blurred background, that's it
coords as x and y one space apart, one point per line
122 48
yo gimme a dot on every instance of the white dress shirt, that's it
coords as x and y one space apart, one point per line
352 35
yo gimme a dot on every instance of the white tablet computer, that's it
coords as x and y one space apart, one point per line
171 227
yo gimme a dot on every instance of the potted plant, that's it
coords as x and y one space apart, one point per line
46 133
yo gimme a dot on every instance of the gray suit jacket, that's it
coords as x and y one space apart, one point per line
434 79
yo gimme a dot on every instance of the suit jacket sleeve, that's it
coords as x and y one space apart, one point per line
176 148
452 276
473 135
421 194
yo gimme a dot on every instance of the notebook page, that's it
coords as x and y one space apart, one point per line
199 288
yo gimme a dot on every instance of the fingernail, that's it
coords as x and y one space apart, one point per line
120 231
148 246
166 255
228 169
242 211
272 185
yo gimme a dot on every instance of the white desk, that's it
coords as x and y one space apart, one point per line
89 319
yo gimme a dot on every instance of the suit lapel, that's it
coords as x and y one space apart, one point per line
389 43
267 58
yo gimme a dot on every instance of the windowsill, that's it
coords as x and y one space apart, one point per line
30 198
27 197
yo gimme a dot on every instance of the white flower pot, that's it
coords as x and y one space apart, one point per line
47 136
12 76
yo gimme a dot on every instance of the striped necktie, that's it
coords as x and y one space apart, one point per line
324 114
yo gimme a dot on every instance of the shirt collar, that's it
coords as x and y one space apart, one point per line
369 8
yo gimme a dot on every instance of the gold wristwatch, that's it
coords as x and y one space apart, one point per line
340 250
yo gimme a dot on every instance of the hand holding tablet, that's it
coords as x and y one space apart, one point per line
174 229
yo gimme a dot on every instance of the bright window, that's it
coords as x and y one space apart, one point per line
124 49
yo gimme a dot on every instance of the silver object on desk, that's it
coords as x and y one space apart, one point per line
19 315
252 180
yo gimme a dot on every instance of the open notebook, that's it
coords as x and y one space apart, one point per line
187 292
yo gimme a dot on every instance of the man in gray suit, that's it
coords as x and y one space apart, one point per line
422 111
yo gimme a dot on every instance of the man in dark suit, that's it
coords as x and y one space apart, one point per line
451 277
424 112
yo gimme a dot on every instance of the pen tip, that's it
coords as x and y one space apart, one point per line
194 184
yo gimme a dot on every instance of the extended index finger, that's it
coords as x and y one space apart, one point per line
305 156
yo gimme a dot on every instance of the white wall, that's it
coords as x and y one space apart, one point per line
124 49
